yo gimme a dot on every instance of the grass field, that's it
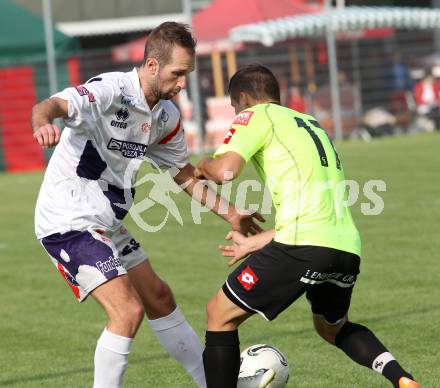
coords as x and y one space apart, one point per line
47 339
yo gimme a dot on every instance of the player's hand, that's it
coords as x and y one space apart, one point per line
239 249
198 174
198 171
47 135
244 222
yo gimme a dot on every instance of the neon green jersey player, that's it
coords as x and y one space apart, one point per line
304 174
314 248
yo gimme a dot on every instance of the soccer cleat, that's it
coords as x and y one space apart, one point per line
405 382
260 380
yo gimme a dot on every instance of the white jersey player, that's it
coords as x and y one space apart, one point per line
113 123
110 131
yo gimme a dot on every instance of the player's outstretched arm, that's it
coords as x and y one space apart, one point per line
239 220
43 114
242 246
221 169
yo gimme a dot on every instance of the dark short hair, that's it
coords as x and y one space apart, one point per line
164 37
257 81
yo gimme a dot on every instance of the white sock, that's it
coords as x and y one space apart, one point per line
180 340
111 359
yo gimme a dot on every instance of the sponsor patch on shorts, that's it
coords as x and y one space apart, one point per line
247 278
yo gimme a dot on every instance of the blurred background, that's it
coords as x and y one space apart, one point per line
363 68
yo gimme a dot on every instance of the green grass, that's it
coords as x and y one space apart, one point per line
47 339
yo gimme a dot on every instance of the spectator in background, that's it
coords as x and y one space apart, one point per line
398 76
296 99
399 85
427 97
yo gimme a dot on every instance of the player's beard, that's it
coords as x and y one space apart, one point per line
169 95
161 94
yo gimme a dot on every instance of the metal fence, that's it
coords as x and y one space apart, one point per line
380 79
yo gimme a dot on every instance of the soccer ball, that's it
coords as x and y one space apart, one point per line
262 366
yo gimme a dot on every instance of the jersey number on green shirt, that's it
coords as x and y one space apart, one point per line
321 151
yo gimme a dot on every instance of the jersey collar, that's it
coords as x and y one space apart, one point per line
138 93
136 90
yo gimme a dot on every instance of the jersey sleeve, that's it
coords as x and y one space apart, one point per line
86 103
170 151
247 135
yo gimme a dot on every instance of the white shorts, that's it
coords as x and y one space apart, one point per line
88 258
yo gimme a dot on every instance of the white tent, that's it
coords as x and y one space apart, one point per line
339 20
332 22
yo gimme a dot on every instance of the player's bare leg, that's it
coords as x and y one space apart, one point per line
165 318
125 312
363 347
154 293
223 314
221 357
328 331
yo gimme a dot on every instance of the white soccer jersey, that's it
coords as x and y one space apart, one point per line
109 132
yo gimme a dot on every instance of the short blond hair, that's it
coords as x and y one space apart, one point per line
164 37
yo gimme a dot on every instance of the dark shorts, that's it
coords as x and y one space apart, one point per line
271 279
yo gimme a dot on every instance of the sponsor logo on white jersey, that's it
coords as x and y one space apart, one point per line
122 115
128 149
128 101
164 116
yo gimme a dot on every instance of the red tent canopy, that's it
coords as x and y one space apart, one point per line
130 52
214 22
211 25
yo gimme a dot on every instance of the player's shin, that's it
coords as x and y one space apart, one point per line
363 347
221 359
180 341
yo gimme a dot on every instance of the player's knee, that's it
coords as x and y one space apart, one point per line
327 330
163 294
212 311
134 312
215 315
324 334
127 318
137 312
160 301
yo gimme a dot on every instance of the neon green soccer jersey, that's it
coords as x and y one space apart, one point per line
298 162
